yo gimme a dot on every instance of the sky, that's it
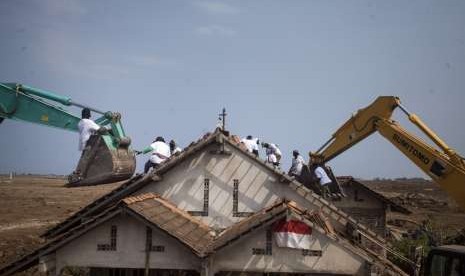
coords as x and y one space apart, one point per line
288 72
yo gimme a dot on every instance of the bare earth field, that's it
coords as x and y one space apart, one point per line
426 200
30 205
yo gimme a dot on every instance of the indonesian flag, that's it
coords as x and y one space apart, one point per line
292 233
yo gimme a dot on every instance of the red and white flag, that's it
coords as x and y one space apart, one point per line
292 233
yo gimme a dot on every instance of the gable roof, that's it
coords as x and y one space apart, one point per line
218 137
132 185
201 239
176 222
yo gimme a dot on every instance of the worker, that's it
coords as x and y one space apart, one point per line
273 154
251 144
174 149
297 164
86 127
160 153
320 174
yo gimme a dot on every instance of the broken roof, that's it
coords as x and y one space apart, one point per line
158 212
219 137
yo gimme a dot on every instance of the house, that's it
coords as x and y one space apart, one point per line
366 205
211 210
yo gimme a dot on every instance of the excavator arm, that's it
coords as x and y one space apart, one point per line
358 127
16 103
445 167
109 158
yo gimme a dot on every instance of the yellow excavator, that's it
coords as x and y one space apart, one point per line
445 167
109 157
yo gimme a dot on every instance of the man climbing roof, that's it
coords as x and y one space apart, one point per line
160 153
251 144
174 149
317 165
297 163
273 153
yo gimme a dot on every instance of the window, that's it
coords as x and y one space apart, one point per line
206 194
307 252
236 213
112 245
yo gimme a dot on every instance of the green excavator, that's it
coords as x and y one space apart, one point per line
109 157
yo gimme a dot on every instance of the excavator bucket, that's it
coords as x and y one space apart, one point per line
101 163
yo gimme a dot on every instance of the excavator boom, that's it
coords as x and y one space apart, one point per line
109 159
445 167
358 127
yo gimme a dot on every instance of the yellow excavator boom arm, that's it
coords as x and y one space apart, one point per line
358 127
446 168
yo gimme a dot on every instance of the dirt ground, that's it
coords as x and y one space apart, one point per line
426 200
30 205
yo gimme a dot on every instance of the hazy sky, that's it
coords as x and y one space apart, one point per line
289 72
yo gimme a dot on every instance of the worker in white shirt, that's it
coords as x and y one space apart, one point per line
273 154
174 149
251 144
320 174
297 164
160 153
86 127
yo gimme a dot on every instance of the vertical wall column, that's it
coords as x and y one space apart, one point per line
148 248
207 267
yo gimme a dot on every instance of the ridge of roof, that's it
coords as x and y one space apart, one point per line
139 198
219 136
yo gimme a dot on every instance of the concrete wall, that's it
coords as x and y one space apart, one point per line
335 259
184 186
258 186
130 253
237 256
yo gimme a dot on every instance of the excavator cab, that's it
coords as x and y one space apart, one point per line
108 157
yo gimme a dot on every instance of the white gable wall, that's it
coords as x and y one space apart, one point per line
335 259
258 186
130 253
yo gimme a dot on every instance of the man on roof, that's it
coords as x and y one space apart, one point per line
273 153
297 164
317 167
251 144
174 149
160 153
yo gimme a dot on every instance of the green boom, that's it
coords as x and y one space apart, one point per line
110 159
25 103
